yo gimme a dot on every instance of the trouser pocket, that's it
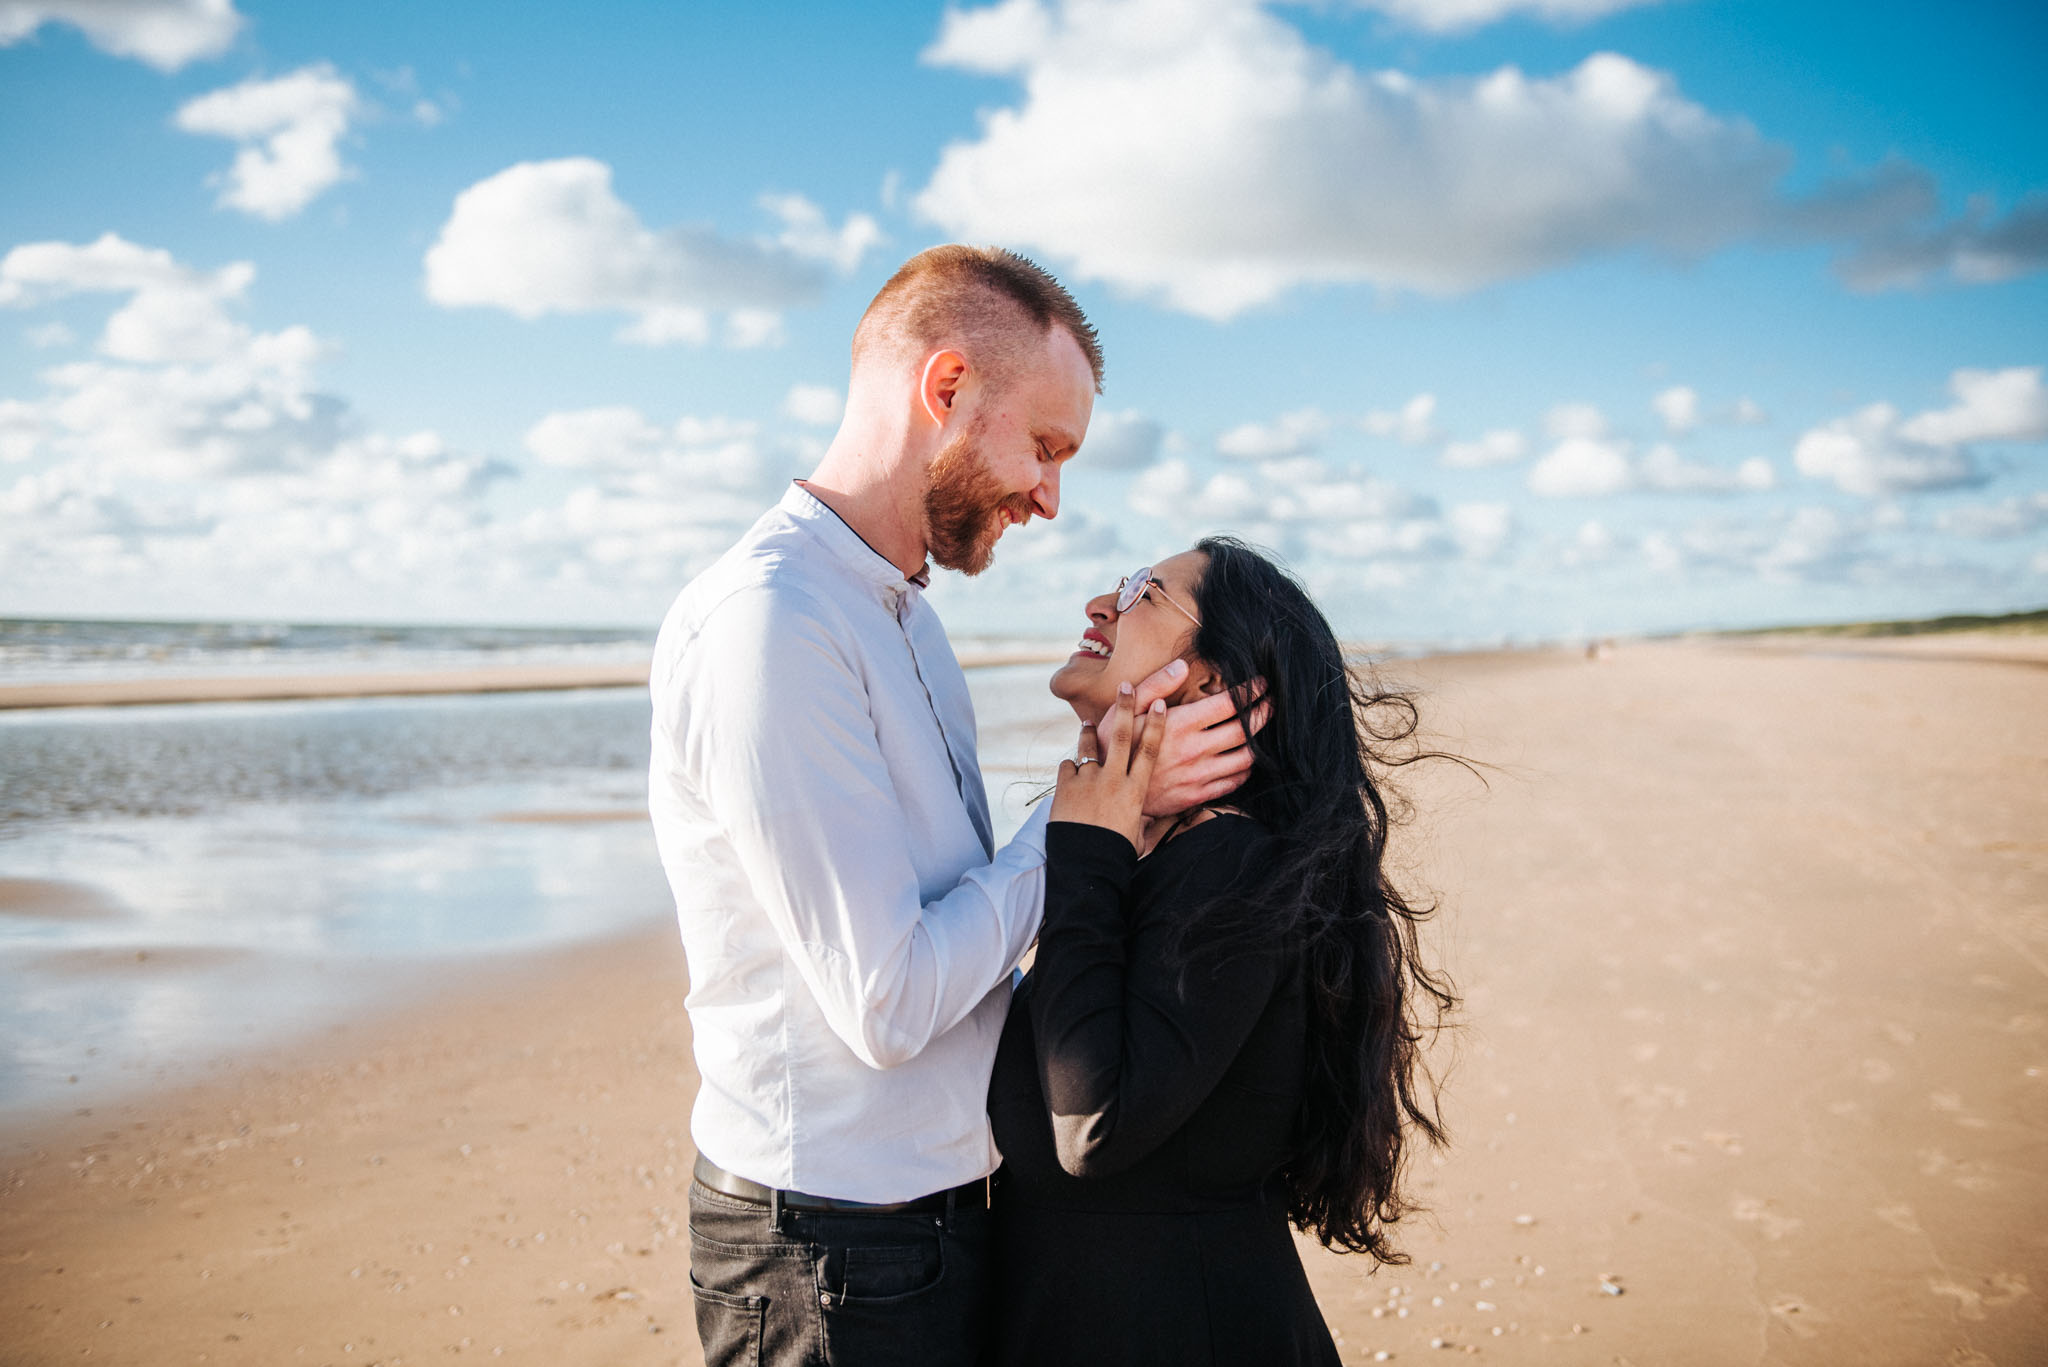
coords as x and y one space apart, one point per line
728 1325
882 1273
906 1295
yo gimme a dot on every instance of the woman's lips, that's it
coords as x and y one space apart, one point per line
1094 645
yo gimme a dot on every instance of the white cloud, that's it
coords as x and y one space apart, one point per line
665 323
164 33
1582 467
45 336
184 389
551 237
1126 440
1502 446
1971 249
815 405
806 232
995 40
1575 420
1320 495
1590 545
1292 434
1679 407
1171 491
1482 529
289 130
198 456
1318 514
1447 16
1991 405
1814 542
1663 469
1748 413
631 456
593 437
1074 540
21 430
1227 497
746 329
1803 545
1417 538
1585 462
1162 490
173 313
1203 153
2020 515
1413 423
1873 451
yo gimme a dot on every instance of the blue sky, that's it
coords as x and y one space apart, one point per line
1494 317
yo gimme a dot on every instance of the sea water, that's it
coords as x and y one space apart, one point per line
250 871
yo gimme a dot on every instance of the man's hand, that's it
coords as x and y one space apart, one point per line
1203 754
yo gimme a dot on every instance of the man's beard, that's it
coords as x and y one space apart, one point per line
963 505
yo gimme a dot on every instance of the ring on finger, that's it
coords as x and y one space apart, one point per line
1086 759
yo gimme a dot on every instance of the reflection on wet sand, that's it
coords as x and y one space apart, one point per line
55 899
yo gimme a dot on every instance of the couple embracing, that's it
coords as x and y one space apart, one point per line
906 1154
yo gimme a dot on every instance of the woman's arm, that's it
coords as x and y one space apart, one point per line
1126 1051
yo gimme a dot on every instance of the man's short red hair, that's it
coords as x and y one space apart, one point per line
991 305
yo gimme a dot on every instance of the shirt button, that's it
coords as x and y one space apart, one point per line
824 1298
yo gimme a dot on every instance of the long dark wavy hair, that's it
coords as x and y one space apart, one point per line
1316 784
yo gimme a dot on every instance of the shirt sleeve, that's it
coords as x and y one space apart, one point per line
776 731
1126 1050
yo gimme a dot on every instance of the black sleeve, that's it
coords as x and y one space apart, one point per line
1126 1052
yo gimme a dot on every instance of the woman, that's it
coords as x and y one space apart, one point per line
1218 1036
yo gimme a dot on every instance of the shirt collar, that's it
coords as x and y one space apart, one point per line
847 545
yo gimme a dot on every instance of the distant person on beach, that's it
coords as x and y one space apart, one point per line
850 927
1219 1035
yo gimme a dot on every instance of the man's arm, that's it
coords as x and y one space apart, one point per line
773 725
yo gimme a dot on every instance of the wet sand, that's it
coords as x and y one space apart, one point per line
288 687
381 684
55 899
1754 1069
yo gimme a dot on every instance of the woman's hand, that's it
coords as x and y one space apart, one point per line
1106 785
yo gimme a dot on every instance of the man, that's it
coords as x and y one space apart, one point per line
850 928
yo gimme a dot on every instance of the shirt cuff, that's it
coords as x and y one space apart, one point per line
1031 835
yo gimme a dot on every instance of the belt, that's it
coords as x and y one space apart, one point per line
968 1195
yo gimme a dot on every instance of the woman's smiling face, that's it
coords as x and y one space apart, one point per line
1128 647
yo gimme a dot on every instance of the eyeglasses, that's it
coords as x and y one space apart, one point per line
1133 586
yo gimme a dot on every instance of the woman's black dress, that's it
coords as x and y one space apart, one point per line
1140 1217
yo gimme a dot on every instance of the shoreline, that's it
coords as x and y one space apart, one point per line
145 692
300 687
1950 648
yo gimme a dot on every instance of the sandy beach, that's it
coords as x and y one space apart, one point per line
1754 1069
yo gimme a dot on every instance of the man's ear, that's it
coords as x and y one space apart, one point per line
939 388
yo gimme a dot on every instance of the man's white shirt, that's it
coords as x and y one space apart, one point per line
850 929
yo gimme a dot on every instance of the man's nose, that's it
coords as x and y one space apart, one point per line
1046 497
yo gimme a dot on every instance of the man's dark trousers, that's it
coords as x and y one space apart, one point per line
777 1287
